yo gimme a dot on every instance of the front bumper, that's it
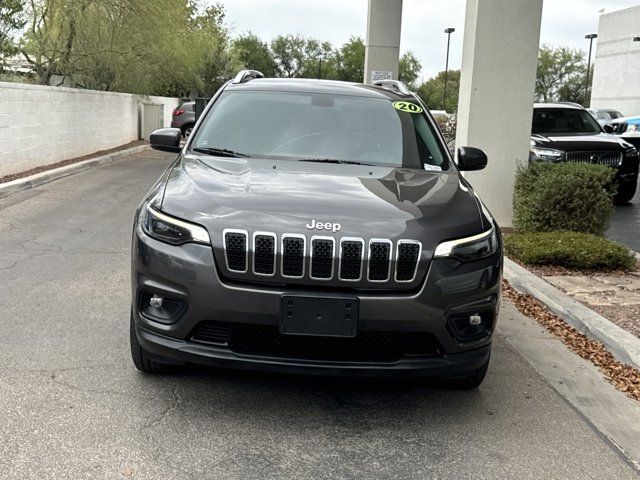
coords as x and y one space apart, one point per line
189 273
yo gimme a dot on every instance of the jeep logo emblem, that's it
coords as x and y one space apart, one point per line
333 227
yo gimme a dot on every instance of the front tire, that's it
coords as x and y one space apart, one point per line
141 358
468 381
624 195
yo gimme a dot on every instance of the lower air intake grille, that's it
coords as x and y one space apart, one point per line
264 254
236 250
322 258
265 340
379 261
408 254
216 333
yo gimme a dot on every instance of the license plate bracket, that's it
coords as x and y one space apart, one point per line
326 316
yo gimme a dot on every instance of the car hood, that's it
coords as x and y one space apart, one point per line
284 196
568 143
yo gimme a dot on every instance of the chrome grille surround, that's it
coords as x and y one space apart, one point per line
381 241
341 257
283 252
609 158
398 259
255 253
226 239
328 258
313 253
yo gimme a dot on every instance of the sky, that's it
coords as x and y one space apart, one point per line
564 23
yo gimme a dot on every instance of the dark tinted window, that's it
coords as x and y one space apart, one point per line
560 121
298 126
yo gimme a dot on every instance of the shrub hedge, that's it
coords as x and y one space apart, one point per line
569 249
564 196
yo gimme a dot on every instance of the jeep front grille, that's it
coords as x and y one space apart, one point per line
611 159
324 258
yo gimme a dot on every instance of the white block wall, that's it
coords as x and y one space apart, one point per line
616 76
41 125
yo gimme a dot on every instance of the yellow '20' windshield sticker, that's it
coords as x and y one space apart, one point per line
407 107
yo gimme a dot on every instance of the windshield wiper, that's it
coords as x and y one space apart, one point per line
220 152
333 160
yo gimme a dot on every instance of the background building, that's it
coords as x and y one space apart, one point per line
616 76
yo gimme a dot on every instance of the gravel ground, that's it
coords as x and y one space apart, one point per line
625 316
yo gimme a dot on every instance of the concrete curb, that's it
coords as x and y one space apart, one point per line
622 344
56 173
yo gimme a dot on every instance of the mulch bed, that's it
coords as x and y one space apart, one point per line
558 270
33 171
624 377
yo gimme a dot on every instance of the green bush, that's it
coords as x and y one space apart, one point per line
565 196
569 249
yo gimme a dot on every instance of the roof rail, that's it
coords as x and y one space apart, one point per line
395 85
244 76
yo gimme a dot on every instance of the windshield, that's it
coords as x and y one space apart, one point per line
561 121
310 126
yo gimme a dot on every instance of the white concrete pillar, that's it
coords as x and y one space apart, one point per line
499 58
384 20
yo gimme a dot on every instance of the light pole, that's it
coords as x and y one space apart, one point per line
589 37
448 31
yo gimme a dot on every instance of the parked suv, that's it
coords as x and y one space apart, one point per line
316 226
184 118
563 133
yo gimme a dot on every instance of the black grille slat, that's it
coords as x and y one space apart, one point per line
322 251
611 159
212 332
379 261
407 262
236 251
292 256
264 254
266 340
351 259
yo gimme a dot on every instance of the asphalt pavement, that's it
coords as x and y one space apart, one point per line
625 223
73 406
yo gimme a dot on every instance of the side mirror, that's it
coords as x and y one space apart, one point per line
470 158
608 128
166 139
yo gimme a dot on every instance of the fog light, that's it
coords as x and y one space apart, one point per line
155 301
161 309
475 319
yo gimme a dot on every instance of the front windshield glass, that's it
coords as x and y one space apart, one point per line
310 126
561 121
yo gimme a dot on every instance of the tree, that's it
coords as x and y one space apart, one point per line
432 91
350 60
254 54
289 54
164 47
12 19
561 75
409 69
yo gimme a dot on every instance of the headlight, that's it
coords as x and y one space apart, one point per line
171 230
632 128
545 154
469 248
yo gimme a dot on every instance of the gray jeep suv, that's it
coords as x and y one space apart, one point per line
313 226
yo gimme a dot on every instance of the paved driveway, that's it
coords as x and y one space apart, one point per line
72 405
625 223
